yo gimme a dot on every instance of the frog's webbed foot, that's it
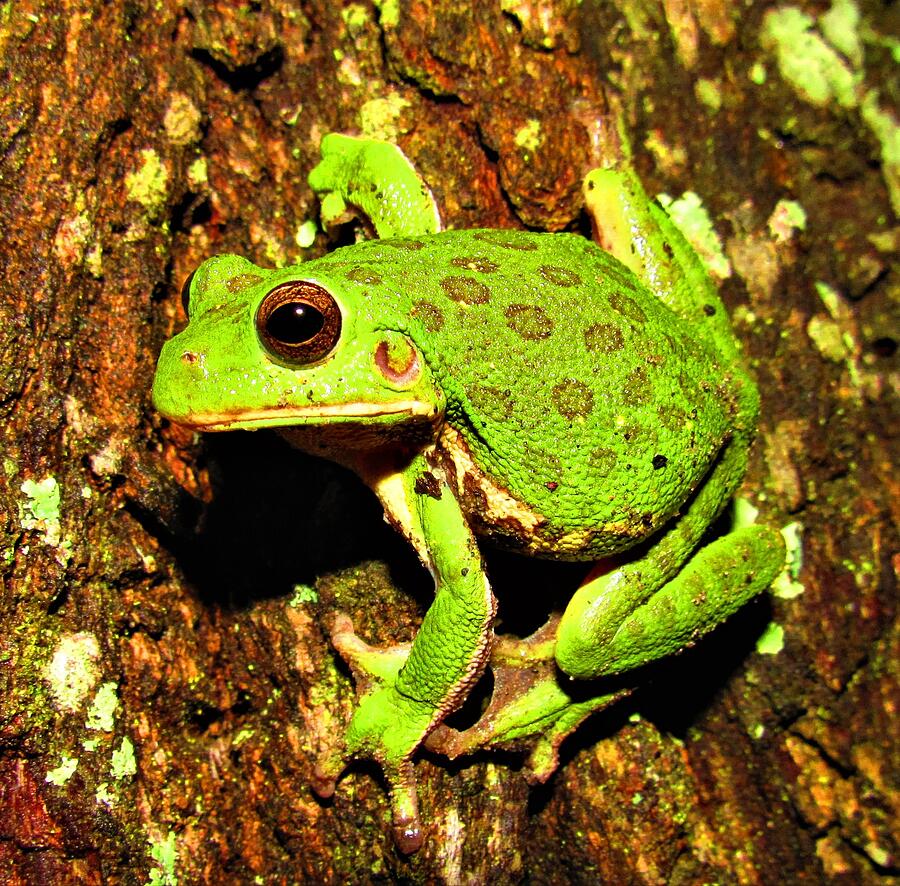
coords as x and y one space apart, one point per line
385 727
529 709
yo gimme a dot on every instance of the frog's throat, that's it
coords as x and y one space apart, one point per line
282 416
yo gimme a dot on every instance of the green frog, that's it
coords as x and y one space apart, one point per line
556 397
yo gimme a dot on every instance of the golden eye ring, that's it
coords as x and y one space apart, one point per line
299 322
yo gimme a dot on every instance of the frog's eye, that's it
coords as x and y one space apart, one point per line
186 293
299 322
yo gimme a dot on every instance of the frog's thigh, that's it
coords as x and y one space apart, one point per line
608 629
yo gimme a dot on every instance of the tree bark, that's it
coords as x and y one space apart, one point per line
167 678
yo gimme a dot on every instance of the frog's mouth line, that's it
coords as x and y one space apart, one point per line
278 417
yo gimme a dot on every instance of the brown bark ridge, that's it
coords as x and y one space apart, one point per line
166 674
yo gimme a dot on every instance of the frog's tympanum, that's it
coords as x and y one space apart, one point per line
553 397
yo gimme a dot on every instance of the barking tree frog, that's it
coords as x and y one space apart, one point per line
556 397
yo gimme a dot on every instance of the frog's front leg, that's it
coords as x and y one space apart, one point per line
377 180
405 692
664 601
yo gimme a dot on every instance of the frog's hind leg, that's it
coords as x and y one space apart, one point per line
667 599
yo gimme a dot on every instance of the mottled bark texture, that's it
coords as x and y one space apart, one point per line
165 674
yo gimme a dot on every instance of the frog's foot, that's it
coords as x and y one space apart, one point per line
386 727
530 708
363 177
401 778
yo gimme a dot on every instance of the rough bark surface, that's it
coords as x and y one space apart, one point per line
165 674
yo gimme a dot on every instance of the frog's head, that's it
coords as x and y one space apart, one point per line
291 349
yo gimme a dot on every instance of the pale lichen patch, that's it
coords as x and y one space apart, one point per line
824 62
72 671
40 510
786 586
148 185
123 764
380 117
182 120
787 217
771 642
164 853
529 136
101 713
63 772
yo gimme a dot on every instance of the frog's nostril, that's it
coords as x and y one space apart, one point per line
189 357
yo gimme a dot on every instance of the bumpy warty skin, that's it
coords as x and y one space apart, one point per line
572 388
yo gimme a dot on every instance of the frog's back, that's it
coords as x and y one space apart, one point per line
578 405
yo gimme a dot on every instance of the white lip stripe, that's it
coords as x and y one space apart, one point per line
411 408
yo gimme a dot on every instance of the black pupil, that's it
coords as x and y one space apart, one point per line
294 323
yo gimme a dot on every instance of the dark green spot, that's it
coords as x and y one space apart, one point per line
627 307
242 282
621 275
559 276
572 398
604 338
363 275
631 432
493 403
466 290
428 315
659 461
529 321
709 310
231 310
671 418
687 385
475 263
544 465
637 389
507 239
401 243
602 460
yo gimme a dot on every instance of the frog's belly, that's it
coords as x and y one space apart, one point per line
496 515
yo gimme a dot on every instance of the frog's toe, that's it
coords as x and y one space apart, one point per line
367 662
408 836
407 826
324 780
